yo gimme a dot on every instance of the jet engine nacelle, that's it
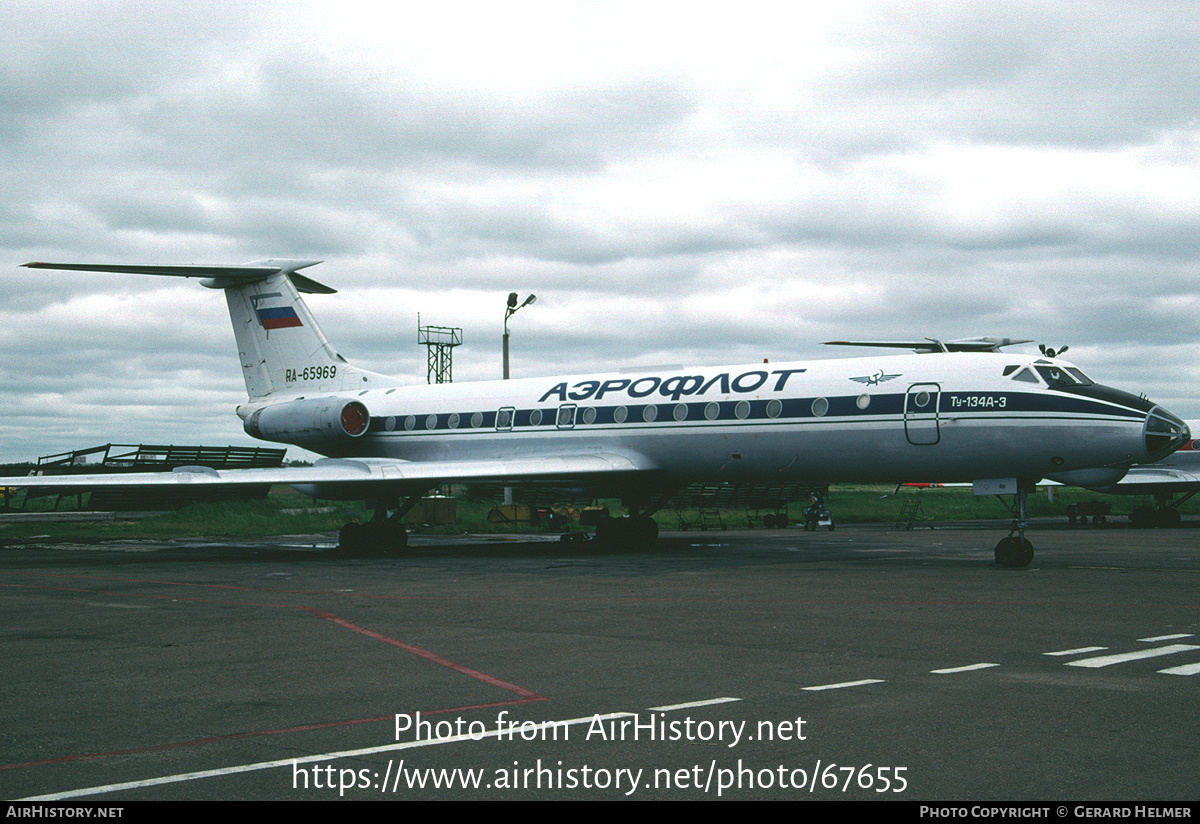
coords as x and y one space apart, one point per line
308 420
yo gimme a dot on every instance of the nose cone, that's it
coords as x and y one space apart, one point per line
1163 433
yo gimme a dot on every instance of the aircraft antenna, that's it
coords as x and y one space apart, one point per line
440 342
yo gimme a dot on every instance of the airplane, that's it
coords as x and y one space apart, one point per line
1176 474
955 411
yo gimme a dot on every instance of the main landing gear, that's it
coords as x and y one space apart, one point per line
1015 551
640 529
385 537
385 534
637 528
1164 513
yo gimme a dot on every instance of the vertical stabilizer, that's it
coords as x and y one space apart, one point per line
282 350
281 347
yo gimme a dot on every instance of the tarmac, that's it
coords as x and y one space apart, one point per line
862 663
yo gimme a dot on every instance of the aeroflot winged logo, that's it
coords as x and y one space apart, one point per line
876 379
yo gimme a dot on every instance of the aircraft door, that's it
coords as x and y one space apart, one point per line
921 413
566 416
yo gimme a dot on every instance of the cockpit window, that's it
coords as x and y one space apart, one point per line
1083 379
1026 376
1058 376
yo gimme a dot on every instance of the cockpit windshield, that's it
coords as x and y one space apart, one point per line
1059 376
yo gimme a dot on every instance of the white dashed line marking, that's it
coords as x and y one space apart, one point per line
1079 651
845 684
691 704
1108 660
967 668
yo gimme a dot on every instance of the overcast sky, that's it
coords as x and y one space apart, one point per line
677 182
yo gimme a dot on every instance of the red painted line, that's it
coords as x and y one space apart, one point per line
437 659
526 696
426 654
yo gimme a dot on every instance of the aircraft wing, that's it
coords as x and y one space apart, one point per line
369 473
1145 480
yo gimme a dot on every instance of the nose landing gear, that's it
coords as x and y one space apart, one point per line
1015 551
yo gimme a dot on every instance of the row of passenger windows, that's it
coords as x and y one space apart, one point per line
569 415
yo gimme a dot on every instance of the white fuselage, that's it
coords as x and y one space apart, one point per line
925 417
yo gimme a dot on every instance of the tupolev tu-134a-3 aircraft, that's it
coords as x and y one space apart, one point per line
956 411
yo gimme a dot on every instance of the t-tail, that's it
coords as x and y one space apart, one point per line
282 350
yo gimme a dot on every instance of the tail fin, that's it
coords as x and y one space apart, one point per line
282 350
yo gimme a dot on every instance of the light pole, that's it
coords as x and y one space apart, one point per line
509 311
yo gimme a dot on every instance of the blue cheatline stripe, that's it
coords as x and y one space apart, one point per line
840 409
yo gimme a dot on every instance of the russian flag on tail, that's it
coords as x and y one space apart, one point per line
278 318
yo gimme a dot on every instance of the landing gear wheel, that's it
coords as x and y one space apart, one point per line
1014 553
1168 517
373 538
352 537
392 536
608 532
643 528
639 529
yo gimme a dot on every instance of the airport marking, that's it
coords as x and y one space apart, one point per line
1079 651
525 695
1175 637
692 704
1120 658
429 656
331 756
426 654
1186 669
845 684
288 762
241 736
967 668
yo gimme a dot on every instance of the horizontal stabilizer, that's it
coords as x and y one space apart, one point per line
930 345
221 276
